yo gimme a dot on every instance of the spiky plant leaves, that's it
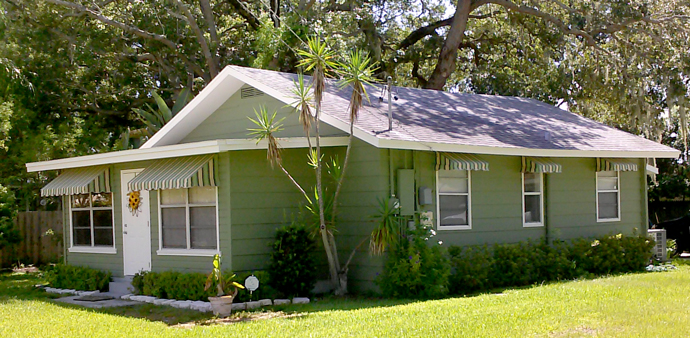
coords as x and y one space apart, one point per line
387 227
266 127
302 103
356 72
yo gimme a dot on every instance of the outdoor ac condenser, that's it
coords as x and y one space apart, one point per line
659 236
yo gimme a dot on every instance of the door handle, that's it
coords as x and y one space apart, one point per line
125 232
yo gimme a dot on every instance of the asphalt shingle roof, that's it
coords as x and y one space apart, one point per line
467 119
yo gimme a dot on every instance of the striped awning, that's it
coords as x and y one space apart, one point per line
457 161
608 164
176 173
79 181
540 165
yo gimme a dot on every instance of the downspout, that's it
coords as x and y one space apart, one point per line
545 196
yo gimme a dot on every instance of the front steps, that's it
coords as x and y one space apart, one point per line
120 286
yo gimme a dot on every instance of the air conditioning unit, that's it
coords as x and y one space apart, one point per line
659 236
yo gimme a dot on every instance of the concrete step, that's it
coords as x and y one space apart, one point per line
120 286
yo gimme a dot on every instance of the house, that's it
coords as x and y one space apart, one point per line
483 169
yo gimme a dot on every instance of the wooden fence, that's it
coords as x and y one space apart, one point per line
41 233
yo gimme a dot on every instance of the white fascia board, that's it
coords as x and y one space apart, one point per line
132 155
195 112
177 150
448 147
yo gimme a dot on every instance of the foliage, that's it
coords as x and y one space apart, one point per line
387 230
479 268
63 276
415 267
292 269
172 285
8 233
153 119
216 280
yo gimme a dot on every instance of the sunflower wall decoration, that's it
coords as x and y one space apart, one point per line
134 204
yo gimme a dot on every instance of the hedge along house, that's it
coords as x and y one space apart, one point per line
481 169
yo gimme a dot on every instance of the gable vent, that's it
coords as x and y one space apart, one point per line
248 92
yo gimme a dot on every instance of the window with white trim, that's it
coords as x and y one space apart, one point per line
91 218
188 218
533 199
453 199
608 196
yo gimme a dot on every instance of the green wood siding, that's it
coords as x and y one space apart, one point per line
230 120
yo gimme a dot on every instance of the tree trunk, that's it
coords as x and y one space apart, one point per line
449 52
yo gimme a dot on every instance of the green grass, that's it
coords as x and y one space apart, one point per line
634 305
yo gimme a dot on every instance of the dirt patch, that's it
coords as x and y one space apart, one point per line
241 317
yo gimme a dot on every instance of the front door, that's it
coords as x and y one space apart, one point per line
136 226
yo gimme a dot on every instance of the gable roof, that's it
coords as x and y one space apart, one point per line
433 120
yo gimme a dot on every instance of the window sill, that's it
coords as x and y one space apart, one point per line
532 225
92 249
187 252
454 227
604 220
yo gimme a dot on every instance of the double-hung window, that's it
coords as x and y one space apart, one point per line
608 196
453 199
188 219
533 199
92 220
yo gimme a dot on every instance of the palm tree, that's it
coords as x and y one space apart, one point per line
319 59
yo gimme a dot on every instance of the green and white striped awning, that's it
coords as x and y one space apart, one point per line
176 173
457 161
79 181
608 164
540 165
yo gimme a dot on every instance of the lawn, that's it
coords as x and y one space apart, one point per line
633 305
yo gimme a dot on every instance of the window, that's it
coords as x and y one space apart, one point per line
188 219
453 196
92 220
608 196
532 199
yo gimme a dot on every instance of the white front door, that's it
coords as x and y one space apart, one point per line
136 226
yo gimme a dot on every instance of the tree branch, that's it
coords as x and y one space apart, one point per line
207 10
201 39
422 32
244 12
127 28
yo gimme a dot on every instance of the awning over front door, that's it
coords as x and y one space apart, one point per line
607 164
540 165
458 161
79 181
176 173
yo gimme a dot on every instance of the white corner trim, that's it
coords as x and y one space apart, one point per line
185 252
92 249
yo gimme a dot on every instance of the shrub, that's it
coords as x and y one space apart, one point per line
477 268
8 233
414 269
292 270
82 278
172 285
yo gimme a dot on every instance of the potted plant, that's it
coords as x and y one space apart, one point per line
222 303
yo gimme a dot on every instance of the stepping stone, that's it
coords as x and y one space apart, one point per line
281 302
239 306
300 300
159 301
253 305
265 302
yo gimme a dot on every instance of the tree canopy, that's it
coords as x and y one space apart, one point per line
71 66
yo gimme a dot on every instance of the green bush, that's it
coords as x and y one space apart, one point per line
292 270
415 269
8 233
81 278
477 268
172 285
